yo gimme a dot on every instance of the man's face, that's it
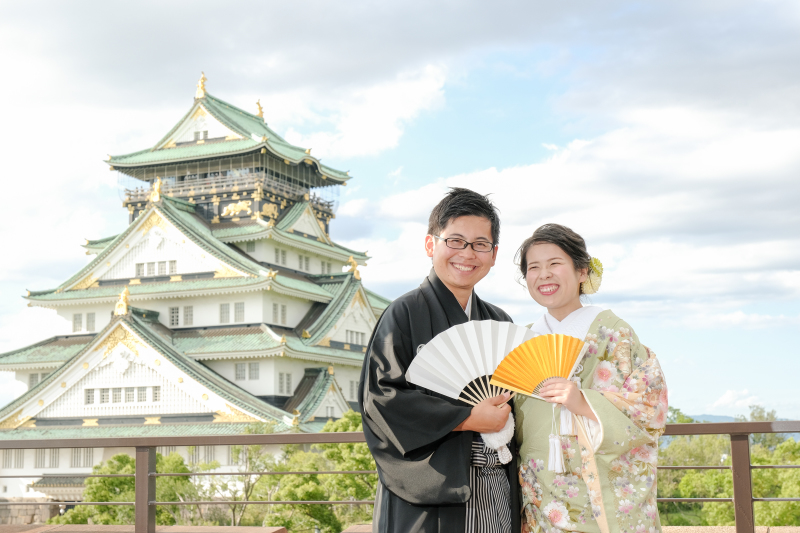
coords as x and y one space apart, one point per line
462 269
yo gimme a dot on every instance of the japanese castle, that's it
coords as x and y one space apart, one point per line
225 302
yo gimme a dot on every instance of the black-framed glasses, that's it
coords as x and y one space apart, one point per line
461 244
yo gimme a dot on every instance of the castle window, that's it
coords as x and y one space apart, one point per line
283 257
88 396
238 312
241 371
285 383
156 394
55 455
253 371
139 270
82 457
173 267
353 389
188 315
104 395
166 451
39 458
13 458
116 397
283 315
277 256
329 412
77 322
275 312
129 394
208 453
89 321
151 269
33 380
356 337
174 316
251 247
224 313
162 268
141 394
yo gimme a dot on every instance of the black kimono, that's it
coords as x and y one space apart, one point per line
423 465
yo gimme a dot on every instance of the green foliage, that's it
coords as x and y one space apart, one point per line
122 489
712 450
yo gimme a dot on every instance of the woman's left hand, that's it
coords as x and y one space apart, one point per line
565 392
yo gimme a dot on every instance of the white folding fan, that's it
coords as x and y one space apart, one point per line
459 362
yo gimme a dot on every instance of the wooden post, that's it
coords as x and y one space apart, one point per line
742 484
145 521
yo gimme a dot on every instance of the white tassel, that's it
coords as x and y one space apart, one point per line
555 462
566 422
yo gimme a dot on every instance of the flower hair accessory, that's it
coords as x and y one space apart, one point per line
592 283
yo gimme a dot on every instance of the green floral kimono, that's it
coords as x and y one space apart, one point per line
611 488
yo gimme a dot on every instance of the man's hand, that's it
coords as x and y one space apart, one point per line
565 392
489 416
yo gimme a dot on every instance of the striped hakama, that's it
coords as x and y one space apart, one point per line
489 509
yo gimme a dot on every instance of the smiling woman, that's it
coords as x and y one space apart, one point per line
614 406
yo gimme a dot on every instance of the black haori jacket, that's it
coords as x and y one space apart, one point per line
423 465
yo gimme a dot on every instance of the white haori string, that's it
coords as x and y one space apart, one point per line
555 462
567 427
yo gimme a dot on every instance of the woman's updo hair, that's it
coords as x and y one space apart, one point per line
563 237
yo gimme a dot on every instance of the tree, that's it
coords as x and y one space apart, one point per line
122 489
240 488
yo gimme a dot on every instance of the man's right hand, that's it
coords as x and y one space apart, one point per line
489 416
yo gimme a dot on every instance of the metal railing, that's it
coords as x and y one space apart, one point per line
145 477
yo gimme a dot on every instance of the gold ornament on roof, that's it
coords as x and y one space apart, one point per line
283 339
353 267
330 370
271 274
306 334
122 305
260 109
592 283
155 194
201 86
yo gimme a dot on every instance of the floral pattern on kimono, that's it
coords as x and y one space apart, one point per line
612 489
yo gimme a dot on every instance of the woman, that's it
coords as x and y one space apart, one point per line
604 422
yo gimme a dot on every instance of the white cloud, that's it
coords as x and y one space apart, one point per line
734 399
678 215
548 146
372 119
353 208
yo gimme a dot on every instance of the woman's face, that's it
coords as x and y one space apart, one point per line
552 279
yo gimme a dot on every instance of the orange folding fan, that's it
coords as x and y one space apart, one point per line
528 366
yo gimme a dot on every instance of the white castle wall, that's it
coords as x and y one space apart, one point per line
173 400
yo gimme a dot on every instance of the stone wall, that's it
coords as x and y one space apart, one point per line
26 514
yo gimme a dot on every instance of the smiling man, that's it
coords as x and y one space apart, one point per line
435 473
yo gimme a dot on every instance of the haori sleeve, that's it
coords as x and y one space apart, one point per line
628 395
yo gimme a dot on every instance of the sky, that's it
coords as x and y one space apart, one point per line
665 133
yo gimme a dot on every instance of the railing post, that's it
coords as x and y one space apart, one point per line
145 490
742 484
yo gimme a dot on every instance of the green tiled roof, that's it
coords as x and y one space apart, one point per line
244 339
53 350
59 481
377 301
344 287
97 245
232 394
98 432
291 216
112 291
249 126
181 214
311 392
238 231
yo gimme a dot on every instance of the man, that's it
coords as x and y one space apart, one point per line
435 474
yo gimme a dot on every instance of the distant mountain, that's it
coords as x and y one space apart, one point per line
712 418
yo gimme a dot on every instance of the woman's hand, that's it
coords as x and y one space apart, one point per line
565 392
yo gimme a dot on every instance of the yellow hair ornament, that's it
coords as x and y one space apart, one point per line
592 283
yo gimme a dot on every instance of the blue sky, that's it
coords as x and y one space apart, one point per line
665 133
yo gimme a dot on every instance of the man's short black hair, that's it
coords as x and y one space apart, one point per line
461 202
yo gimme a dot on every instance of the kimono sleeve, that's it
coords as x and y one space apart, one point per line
411 419
628 394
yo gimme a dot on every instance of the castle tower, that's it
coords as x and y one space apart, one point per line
224 302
